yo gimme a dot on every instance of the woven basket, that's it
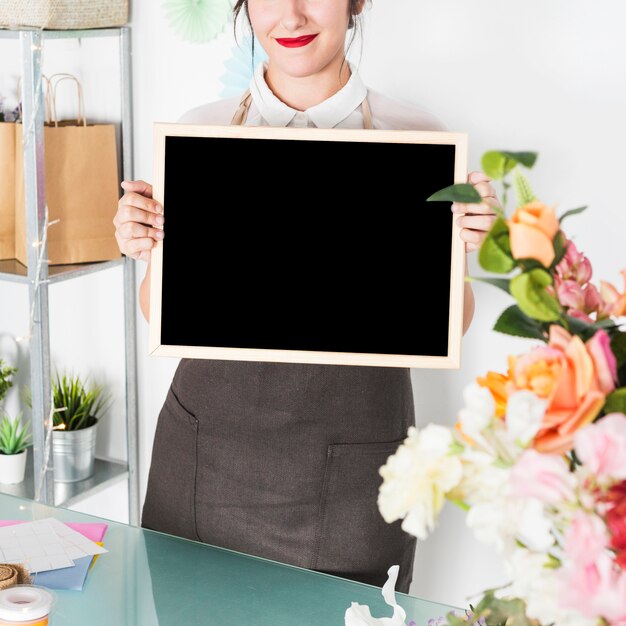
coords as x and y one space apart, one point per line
63 14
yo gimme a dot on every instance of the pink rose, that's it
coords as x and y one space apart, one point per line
585 540
542 476
604 361
601 446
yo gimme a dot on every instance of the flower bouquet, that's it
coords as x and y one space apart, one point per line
537 457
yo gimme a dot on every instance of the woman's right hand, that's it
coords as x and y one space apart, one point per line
138 221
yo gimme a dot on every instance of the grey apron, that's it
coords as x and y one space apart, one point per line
281 460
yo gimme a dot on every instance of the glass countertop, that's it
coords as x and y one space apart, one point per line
148 578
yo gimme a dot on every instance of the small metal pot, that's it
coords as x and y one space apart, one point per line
73 454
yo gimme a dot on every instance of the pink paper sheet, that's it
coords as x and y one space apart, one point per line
92 530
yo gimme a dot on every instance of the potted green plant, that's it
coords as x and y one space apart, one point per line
14 441
6 379
77 408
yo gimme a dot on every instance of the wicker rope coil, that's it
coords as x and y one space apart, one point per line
63 14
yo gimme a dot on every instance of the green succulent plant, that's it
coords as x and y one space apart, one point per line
14 438
6 378
77 406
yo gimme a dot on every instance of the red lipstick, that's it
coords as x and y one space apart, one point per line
296 42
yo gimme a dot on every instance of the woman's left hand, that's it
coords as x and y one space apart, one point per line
476 220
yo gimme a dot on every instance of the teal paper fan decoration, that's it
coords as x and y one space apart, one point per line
238 68
198 20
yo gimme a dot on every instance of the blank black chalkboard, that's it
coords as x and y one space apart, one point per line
310 249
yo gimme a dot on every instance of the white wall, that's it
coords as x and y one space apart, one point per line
531 74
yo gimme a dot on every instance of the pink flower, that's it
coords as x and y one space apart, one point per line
585 540
596 590
571 294
574 265
601 446
604 361
542 476
616 521
616 301
593 300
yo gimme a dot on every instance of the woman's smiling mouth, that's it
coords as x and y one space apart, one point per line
296 42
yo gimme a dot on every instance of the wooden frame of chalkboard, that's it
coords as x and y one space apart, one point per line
271 254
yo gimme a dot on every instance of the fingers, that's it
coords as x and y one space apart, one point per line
139 220
130 213
138 248
133 230
486 207
476 222
138 186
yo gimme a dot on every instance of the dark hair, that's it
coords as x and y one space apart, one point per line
354 24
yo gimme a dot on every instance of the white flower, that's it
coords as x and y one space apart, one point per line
483 478
533 528
524 416
417 478
539 585
502 521
478 413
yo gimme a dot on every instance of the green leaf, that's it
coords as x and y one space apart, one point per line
500 283
495 252
14 437
523 189
618 346
572 212
527 159
616 401
559 243
514 322
6 378
529 289
76 406
462 505
461 192
503 611
498 163
454 620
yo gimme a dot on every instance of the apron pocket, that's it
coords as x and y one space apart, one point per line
170 498
353 540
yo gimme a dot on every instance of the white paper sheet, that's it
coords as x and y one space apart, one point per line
44 545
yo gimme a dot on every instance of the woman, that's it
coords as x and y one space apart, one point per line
274 459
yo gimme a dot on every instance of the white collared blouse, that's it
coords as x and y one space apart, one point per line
341 110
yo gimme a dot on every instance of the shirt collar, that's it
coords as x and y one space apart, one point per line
326 114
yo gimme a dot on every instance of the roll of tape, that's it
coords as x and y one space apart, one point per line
8 576
25 604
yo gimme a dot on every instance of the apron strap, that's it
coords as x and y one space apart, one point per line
368 121
241 114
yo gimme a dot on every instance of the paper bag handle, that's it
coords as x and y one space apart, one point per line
79 90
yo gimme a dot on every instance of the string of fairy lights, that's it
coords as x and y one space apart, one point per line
28 136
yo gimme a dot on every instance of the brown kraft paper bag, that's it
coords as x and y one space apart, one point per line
7 190
81 190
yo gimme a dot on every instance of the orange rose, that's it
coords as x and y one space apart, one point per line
532 228
497 384
572 378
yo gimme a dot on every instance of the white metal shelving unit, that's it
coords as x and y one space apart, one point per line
107 471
